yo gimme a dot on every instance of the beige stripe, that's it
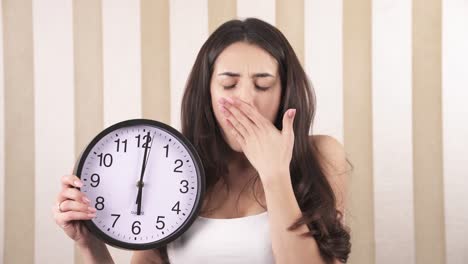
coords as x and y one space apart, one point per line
358 126
2 142
87 27
427 133
220 12
19 131
155 60
290 20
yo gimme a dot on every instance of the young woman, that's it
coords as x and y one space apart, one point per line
274 193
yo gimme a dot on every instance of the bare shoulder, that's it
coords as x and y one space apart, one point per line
332 154
150 256
330 148
332 158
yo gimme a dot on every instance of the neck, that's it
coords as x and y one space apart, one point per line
240 170
240 173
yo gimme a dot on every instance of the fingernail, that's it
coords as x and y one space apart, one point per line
92 209
230 100
78 183
86 200
292 113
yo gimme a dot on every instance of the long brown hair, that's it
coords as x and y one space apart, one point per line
311 187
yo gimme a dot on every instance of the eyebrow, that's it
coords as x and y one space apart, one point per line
256 75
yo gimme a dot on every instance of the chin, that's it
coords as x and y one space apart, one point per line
236 147
232 143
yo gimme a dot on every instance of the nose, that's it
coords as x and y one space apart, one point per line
246 93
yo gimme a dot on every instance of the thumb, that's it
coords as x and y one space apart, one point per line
288 121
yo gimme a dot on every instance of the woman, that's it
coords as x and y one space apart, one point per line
274 193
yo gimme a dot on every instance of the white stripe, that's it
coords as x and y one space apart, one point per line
392 131
122 71
262 9
54 121
323 36
455 127
188 31
2 140
121 60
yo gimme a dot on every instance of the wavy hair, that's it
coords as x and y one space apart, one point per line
311 187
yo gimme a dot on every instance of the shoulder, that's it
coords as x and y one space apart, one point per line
332 159
328 146
331 152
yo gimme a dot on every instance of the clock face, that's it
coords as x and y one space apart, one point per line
146 182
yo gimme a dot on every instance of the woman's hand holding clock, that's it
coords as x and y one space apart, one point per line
111 166
72 205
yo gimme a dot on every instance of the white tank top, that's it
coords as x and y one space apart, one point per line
224 241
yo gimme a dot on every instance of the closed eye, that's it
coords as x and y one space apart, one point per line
230 86
261 88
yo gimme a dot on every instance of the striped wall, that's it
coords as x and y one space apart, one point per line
391 109
53 93
2 140
391 78
455 127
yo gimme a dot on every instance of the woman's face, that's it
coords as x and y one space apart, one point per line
248 73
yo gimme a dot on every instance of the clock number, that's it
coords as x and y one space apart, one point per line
99 203
144 140
176 207
137 227
167 150
185 186
138 137
145 137
95 179
160 222
106 160
181 163
115 219
118 145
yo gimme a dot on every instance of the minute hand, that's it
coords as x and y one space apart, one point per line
143 167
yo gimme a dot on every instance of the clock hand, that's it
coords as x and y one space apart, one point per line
138 195
138 199
140 183
145 162
149 152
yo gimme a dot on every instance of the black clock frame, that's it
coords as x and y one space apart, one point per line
200 192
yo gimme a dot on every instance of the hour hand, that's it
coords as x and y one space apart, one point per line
138 196
138 199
